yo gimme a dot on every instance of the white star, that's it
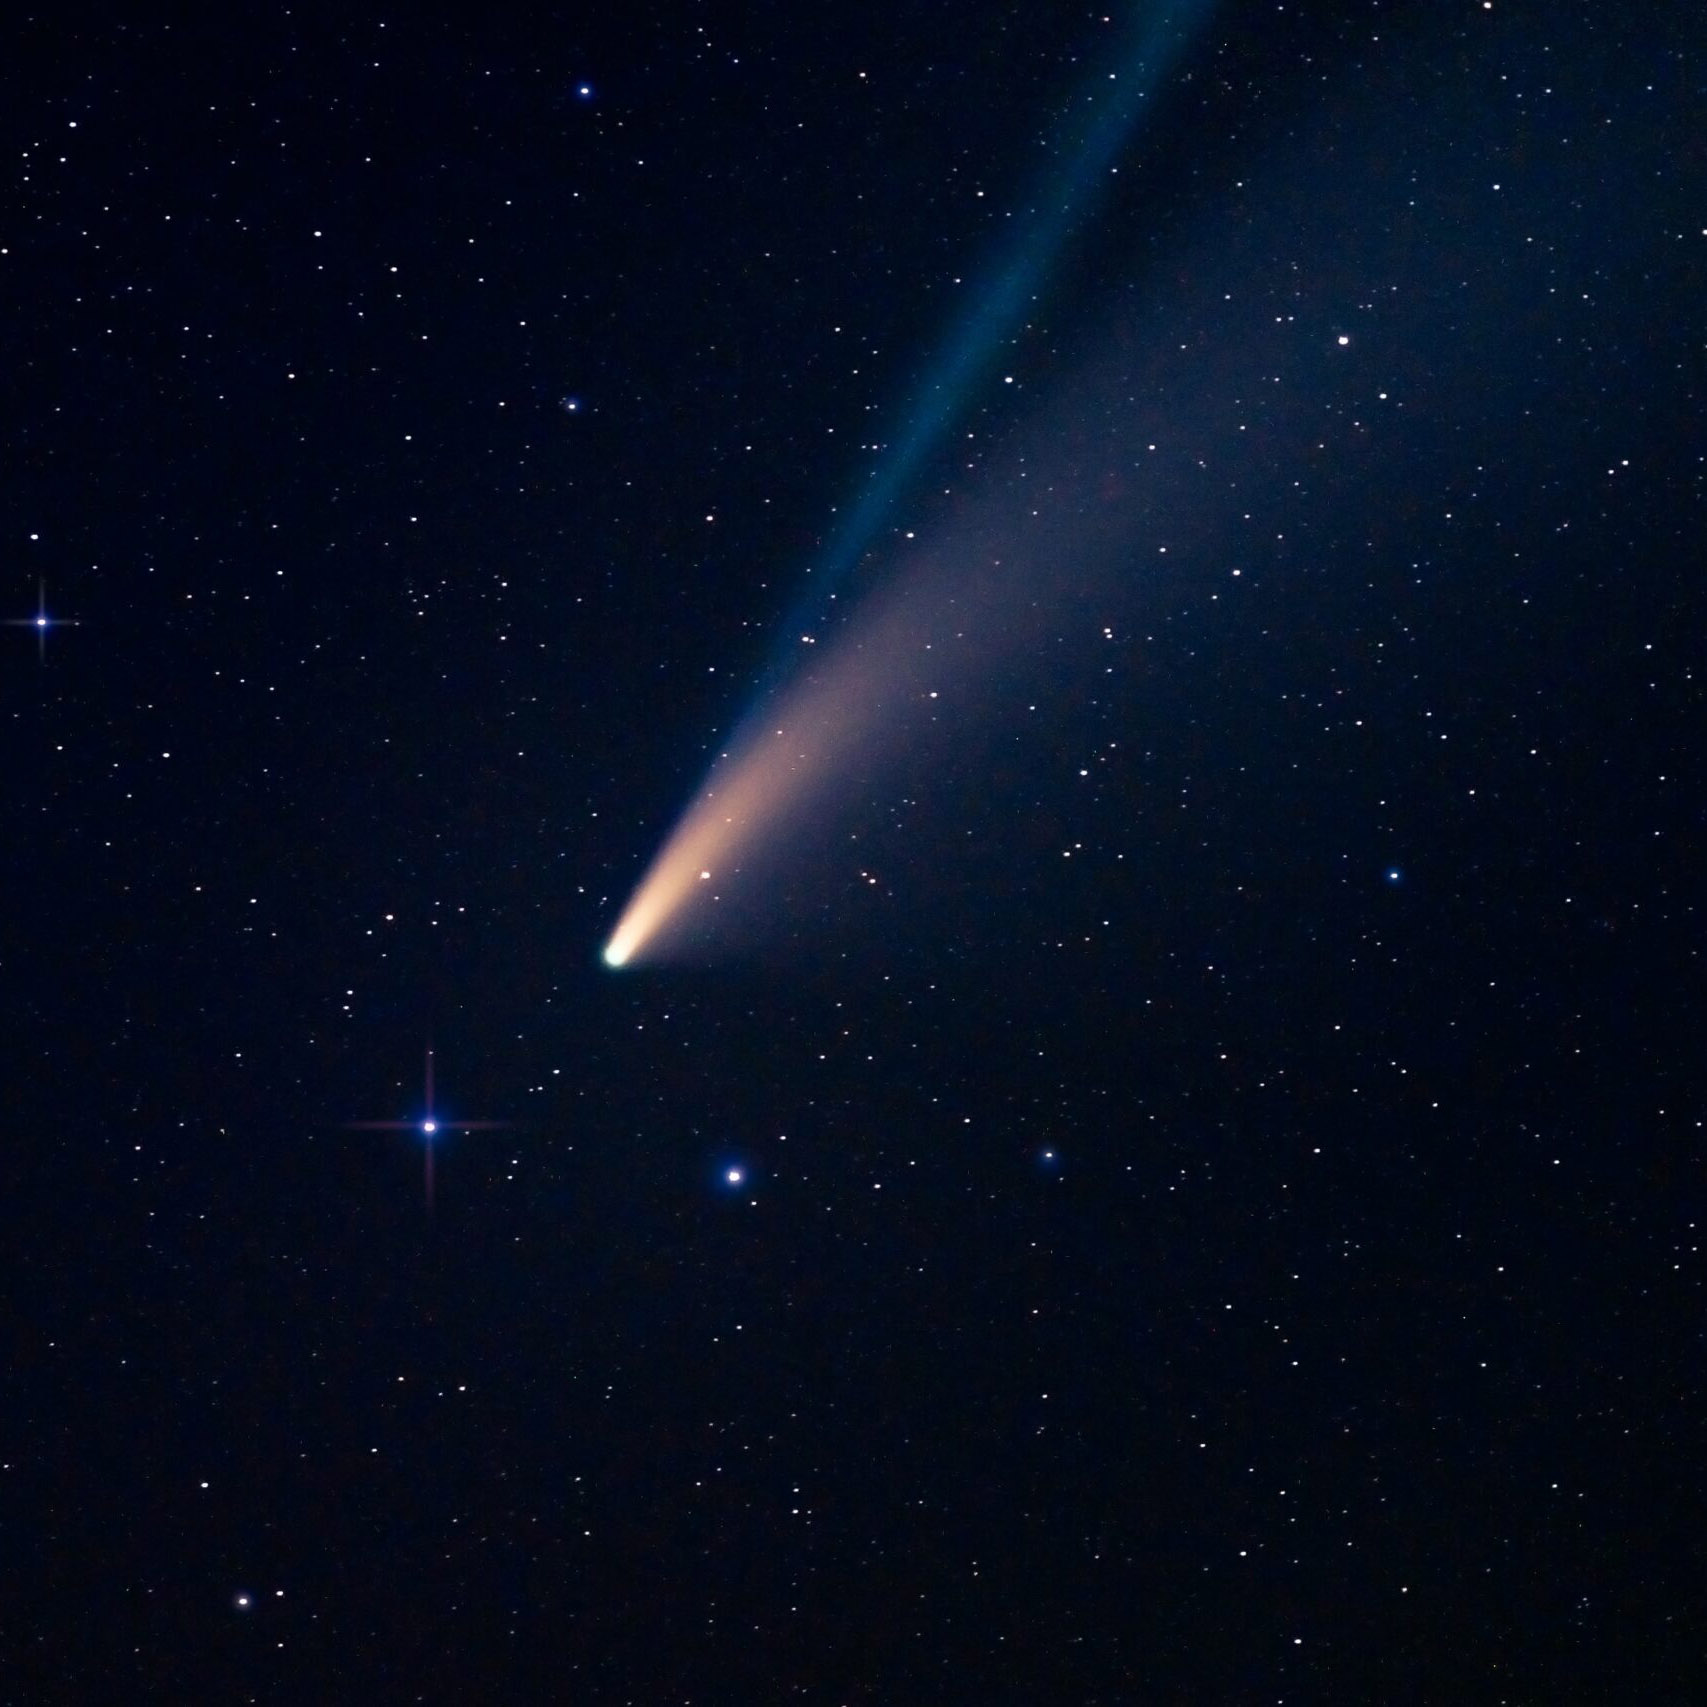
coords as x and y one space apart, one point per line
429 1126
41 622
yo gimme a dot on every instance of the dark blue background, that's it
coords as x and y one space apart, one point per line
1349 1350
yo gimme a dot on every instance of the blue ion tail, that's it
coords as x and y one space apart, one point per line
1109 112
1106 115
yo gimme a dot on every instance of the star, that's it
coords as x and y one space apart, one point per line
41 622
734 1178
429 1126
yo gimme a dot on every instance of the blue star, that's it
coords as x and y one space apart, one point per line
583 91
733 1178
1394 875
429 1126
41 622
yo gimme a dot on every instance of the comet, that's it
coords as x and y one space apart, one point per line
775 772
881 672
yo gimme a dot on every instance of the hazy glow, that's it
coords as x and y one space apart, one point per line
1088 142
900 666
767 777
876 687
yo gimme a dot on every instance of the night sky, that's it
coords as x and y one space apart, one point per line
1178 1176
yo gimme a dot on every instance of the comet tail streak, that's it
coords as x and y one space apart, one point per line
783 750
773 773
1098 128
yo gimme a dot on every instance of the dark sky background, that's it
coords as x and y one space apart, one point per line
1218 1216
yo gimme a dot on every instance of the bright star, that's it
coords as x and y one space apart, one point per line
733 1176
41 622
429 1126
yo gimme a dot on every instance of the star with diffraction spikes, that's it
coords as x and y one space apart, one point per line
41 622
430 1127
